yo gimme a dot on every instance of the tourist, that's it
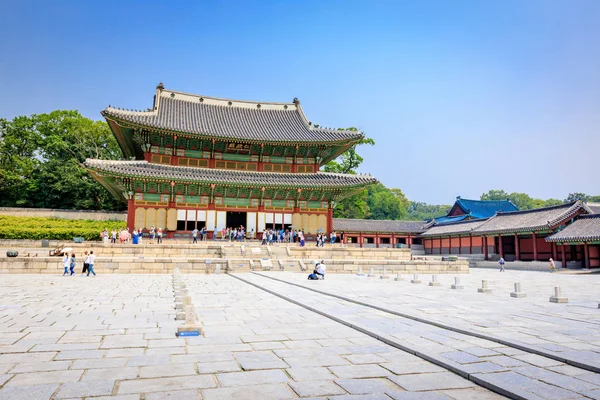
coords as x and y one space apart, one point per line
195 236
151 234
318 239
113 237
123 236
72 265
301 238
105 236
204 234
321 268
85 263
215 232
66 263
135 236
342 238
252 234
223 233
140 235
552 266
159 235
91 260
264 238
501 262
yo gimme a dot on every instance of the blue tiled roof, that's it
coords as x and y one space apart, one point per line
446 220
485 208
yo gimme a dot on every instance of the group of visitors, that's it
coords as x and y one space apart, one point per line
270 236
135 237
551 264
235 234
70 262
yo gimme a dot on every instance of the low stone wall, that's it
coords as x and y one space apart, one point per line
333 253
66 214
164 265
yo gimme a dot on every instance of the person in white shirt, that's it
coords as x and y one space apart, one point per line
321 268
66 263
91 260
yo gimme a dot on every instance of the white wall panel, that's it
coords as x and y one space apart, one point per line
269 218
251 221
201 215
278 218
210 219
261 222
287 219
221 219
181 215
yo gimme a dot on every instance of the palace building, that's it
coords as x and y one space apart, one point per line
196 161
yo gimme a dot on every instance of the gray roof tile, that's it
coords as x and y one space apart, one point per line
209 175
454 228
538 219
242 120
377 226
585 229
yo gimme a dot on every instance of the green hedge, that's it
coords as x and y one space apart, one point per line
37 228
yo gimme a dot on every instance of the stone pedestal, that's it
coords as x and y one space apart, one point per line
457 284
484 287
558 296
434 281
517 293
415 279
371 274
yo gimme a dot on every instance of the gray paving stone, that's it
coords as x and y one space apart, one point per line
475 393
483 367
260 360
167 384
316 361
367 386
160 371
359 371
418 396
461 357
41 366
140 361
218 366
310 373
26 357
365 359
412 367
480 351
4 378
590 377
263 392
538 360
85 389
252 377
40 378
431 381
554 378
111 373
118 397
33 392
592 394
175 395
316 388
504 361
100 363
523 386
202 357
79 354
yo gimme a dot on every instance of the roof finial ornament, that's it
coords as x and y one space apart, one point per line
296 101
160 86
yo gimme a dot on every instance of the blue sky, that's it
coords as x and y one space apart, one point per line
460 96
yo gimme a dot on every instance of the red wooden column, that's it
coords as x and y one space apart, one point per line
554 256
440 245
408 243
470 243
517 250
586 255
130 214
485 247
329 220
534 247
376 240
562 254
501 250
360 239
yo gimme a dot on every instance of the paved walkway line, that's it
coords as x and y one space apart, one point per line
498 388
527 349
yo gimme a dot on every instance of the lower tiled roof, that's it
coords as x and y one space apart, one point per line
222 176
454 228
593 208
530 220
377 226
585 229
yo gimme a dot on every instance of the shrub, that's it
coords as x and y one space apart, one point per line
37 228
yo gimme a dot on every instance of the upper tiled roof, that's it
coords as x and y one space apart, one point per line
231 119
484 208
593 208
210 175
377 226
445 220
529 220
454 228
585 229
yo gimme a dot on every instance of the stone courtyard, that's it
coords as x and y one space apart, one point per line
275 335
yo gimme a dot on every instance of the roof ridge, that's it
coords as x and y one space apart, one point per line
463 222
199 96
564 205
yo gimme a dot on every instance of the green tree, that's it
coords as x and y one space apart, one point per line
494 195
41 161
386 203
349 161
577 196
421 211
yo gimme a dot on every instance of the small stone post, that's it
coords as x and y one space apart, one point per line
371 274
415 279
517 293
384 275
218 269
360 272
457 284
399 278
558 296
484 287
434 281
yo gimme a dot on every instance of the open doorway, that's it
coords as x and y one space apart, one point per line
235 219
